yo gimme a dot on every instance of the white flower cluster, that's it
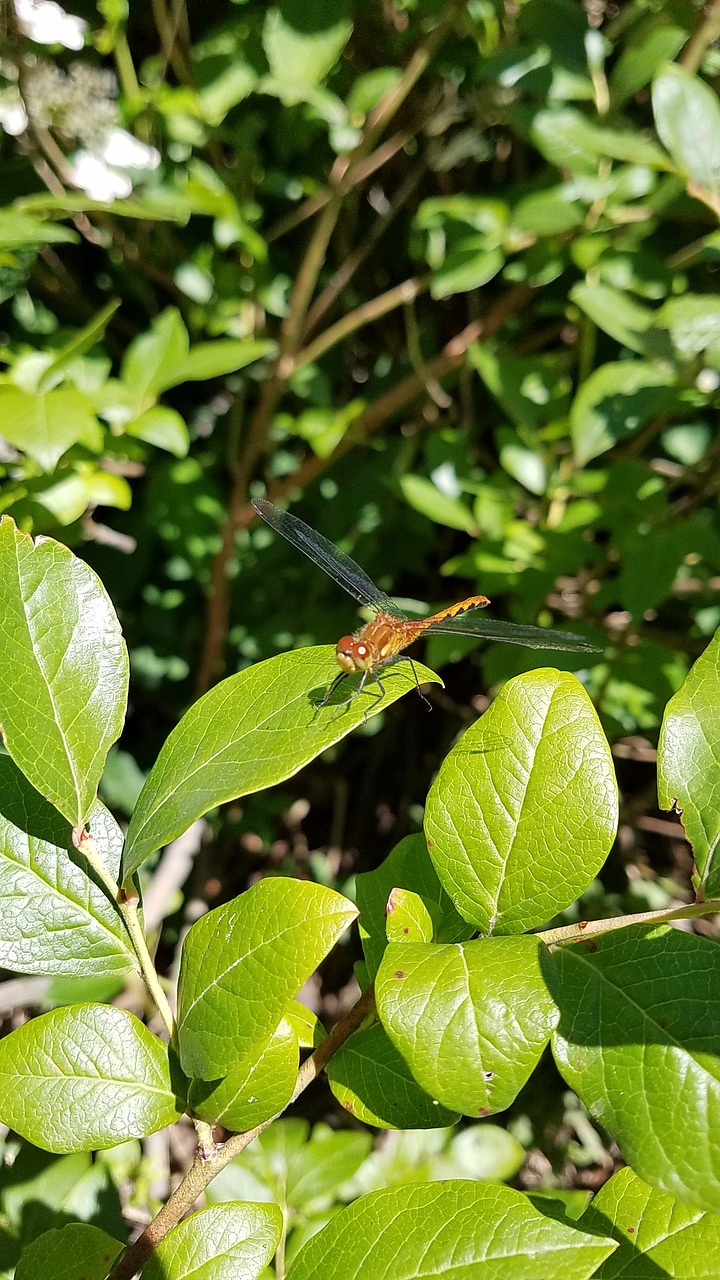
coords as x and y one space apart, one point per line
46 23
100 172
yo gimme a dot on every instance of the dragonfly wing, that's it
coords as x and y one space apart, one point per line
336 564
469 624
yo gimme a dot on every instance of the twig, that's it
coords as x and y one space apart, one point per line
709 30
589 928
368 312
354 261
203 1170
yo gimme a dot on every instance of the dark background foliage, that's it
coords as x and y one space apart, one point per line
447 273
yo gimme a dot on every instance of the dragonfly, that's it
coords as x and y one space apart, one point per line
382 640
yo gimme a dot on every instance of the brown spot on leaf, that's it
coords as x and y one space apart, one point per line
399 974
483 1111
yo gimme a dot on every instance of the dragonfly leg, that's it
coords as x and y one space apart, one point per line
404 657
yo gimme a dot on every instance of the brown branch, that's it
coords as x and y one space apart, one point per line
399 296
399 397
241 514
344 180
354 261
291 332
203 1170
708 31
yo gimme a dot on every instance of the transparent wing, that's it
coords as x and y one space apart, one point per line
474 624
330 558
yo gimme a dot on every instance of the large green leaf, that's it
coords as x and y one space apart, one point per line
523 812
251 731
689 762
244 962
639 1042
687 117
77 1251
615 402
657 1235
370 1079
225 1242
46 424
257 1086
470 1019
18 230
465 1230
63 669
648 46
624 319
303 39
212 359
408 867
150 357
81 342
54 918
83 1078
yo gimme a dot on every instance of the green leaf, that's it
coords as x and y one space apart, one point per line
212 359
486 1152
624 319
83 341
569 140
370 1079
244 962
303 39
226 1242
548 213
85 1077
259 1084
408 919
689 763
615 402
531 391
45 426
162 427
18 230
423 496
63 669
464 1229
54 918
77 1251
468 265
640 1019
151 356
308 1028
657 1234
694 324
687 118
646 49
523 811
409 867
527 466
251 731
310 1172
470 1019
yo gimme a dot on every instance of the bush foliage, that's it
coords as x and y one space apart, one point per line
439 273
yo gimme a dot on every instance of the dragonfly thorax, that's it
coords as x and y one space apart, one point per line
353 655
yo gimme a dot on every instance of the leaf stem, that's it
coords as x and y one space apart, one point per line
129 912
205 1168
587 928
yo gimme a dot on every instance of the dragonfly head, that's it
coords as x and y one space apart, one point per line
353 655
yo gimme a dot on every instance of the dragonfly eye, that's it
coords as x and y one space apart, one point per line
344 655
